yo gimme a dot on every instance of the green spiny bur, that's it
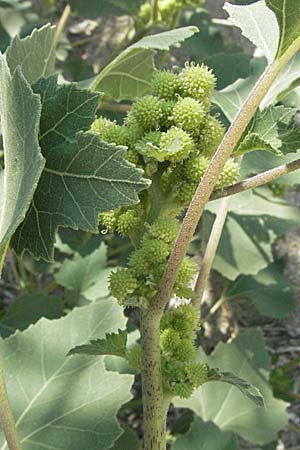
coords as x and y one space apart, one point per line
189 114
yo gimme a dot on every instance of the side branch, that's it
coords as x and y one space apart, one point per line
257 180
210 252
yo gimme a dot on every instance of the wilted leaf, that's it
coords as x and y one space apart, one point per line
60 402
20 115
112 344
224 405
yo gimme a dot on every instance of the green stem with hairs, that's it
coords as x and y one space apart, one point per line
154 407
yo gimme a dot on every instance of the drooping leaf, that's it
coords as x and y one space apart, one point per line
224 405
287 13
258 23
272 129
28 309
129 75
20 115
83 175
60 402
112 344
35 54
206 436
269 291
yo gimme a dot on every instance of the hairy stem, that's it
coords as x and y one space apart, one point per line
6 417
210 252
213 171
257 180
154 408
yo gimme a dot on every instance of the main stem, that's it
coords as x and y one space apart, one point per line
212 173
6 417
154 407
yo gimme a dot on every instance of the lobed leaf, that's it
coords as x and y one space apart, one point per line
35 54
83 175
112 344
272 129
20 116
258 23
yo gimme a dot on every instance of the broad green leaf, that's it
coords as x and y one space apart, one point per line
128 441
35 54
20 115
288 15
232 97
28 309
269 291
206 436
60 402
272 129
82 272
94 9
257 162
129 75
258 23
83 175
229 67
254 221
224 405
112 344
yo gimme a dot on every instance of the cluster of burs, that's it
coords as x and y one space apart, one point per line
166 9
172 136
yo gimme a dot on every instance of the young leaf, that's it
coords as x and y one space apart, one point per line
269 291
129 75
112 344
258 23
272 129
224 405
20 115
28 309
60 402
83 175
244 386
206 436
287 13
35 54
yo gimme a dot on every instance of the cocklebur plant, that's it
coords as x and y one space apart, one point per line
171 138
